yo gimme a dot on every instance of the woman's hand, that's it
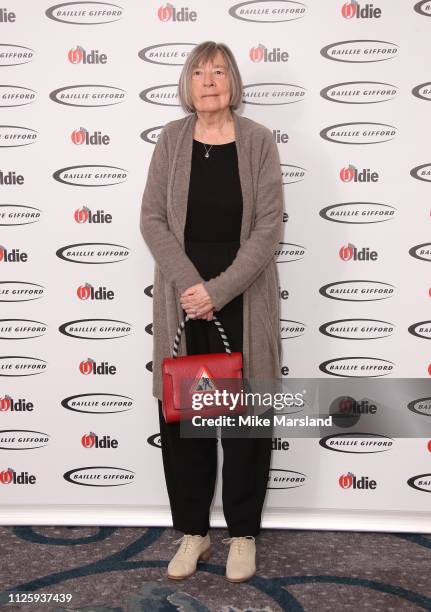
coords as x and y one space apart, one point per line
209 315
197 303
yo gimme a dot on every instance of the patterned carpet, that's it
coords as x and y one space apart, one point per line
118 569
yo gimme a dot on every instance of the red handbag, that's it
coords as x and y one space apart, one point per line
199 375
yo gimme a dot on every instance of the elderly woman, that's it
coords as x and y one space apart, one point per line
212 218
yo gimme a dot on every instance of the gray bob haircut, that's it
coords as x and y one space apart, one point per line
205 52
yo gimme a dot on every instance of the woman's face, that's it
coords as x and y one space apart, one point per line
210 85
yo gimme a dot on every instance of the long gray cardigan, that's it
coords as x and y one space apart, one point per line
254 270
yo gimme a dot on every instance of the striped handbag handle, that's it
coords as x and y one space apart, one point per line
181 327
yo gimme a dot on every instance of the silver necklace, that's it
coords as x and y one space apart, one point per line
207 151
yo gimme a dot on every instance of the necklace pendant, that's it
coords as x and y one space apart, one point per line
207 154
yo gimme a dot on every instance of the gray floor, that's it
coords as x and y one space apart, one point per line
121 569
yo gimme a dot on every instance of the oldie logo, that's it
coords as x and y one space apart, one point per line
354 10
263 54
95 441
351 481
10 178
86 215
87 291
82 136
9 404
351 173
168 12
12 255
79 55
280 137
91 367
349 252
7 16
9 476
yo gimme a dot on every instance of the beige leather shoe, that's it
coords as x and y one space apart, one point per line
193 547
241 561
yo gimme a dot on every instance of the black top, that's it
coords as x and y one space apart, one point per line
212 238
214 209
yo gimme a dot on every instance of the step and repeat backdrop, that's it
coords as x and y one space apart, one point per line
85 89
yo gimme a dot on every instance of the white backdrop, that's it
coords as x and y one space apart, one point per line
85 89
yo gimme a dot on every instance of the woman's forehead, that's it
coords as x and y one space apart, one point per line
217 61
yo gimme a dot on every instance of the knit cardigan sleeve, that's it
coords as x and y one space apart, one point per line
168 253
257 251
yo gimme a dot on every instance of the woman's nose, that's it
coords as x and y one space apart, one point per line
208 79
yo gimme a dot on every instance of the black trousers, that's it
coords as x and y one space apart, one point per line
190 466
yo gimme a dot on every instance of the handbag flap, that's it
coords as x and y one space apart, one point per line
199 373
